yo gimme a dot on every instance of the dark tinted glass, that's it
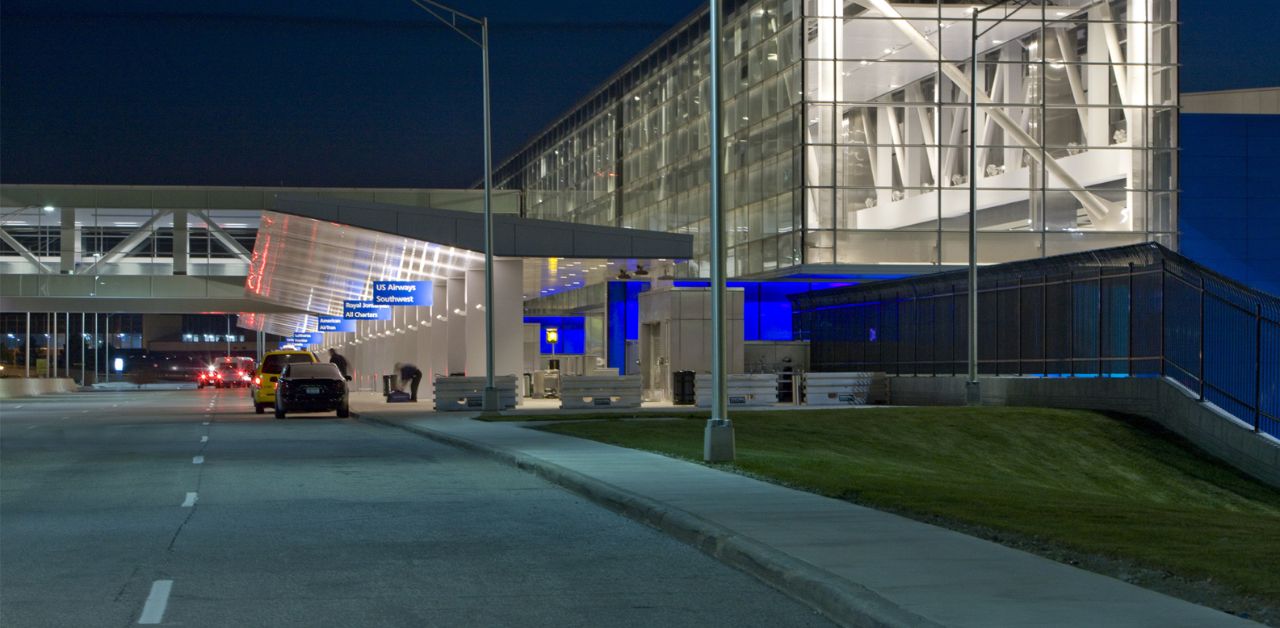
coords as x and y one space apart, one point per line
273 364
322 371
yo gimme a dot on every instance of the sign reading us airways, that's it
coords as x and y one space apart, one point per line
334 324
365 311
402 293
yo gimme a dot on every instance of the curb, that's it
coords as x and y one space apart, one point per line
844 602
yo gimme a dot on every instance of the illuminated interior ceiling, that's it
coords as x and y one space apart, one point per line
314 254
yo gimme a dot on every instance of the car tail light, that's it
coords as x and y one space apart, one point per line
257 381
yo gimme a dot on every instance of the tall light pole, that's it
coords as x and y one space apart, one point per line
492 400
717 442
972 389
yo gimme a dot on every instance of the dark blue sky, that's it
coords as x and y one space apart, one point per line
362 93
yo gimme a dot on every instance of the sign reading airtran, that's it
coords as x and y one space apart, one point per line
334 324
365 311
402 293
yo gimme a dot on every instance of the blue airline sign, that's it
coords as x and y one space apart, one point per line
417 293
334 324
365 311
307 338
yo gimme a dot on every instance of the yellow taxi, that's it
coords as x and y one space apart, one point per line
264 382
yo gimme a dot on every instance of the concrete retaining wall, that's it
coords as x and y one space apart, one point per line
11 387
1172 406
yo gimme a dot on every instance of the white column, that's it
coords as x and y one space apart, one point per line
456 289
69 246
473 322
181 243
439 332
508 317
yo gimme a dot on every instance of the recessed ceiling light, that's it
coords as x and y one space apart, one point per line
49 208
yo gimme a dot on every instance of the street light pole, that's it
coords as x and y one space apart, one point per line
492 399
718 441
972 388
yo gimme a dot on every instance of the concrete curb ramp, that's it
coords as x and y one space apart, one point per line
915 575
845 602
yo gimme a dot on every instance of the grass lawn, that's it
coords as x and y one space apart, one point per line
1103 486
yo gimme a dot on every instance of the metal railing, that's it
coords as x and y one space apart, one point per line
1133 311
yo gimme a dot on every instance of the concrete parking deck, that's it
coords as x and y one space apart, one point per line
858 565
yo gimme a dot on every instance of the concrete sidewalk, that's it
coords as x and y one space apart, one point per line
858 565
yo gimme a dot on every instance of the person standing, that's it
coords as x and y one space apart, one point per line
413 375
338 360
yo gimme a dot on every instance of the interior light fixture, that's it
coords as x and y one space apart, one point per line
48 208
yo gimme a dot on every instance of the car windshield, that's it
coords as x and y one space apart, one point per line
273 364
325 371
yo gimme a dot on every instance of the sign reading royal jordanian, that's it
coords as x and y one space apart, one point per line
415 293
365 311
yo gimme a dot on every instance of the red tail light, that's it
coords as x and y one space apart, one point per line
257 381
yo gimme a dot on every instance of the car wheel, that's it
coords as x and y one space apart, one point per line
257 407
344 411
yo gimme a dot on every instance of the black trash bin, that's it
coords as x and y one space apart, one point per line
388 383
682 393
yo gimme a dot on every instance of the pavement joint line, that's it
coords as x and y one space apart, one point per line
157 602
190 501
845 602
197 460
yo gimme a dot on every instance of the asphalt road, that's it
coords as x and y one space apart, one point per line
106 497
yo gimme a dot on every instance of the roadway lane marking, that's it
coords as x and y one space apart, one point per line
197 460
206 422
189 501
153 610
204 439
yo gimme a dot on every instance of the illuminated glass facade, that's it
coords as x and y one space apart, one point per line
847 128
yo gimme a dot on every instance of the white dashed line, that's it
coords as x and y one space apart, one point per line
189 501
197 460
153 610
204 439
206 422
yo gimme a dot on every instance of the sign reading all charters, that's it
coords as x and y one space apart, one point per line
416 293
365 311
334 324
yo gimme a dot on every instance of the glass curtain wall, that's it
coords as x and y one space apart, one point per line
1075 128
847 133
635 154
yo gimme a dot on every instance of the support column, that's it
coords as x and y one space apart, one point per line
473 323
69 242
26 358
456 329
439 332
181 243
508 317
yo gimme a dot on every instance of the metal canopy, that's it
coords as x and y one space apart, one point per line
513 236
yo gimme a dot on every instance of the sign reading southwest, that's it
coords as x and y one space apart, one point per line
334 324
402 293
365 311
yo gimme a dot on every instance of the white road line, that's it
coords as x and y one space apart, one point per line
197 460
206 422
204 439
189 501
153 610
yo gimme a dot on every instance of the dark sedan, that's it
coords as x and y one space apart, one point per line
311 387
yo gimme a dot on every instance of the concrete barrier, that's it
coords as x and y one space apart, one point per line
599 391
840 389
454 394
1175 408
11 387
745 389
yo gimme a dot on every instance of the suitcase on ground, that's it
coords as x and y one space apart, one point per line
399 396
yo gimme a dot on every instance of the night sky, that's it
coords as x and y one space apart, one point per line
363 93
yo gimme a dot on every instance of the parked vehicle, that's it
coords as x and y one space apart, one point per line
306 387
273 363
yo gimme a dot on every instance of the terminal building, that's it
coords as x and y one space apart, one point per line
852 136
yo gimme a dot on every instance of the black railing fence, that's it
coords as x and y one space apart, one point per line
1133 311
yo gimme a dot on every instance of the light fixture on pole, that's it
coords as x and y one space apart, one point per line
491 401
972 388
718 442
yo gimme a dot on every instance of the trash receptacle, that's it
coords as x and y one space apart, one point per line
388 384
682 393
